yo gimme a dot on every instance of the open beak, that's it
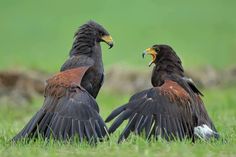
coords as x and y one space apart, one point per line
108 39
152 52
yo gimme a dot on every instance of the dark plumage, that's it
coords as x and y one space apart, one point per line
172 109
70 109
87 45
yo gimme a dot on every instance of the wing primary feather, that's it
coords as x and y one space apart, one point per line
44 124
119 120
66 133
81 130
174 128
151 129
179 129
127 130
103 126
56 130
137 125
148 125
169 128
62 127
24 132
98 129
115 113
49 130
143 124
188 129
32 124
182 128
163 128
157 132
185 127
160 124
88 130
92 124
73 128
47 125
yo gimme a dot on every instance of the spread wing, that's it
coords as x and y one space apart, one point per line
168 112
68 111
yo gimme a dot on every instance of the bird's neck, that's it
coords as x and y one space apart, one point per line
95 53
166 69
97 57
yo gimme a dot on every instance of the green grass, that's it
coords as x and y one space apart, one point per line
221 107
38 34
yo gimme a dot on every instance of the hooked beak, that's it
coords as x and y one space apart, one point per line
152 52
108 39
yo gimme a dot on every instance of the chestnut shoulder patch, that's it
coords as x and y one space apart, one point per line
57 84
174 92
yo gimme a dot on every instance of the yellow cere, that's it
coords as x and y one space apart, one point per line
107 38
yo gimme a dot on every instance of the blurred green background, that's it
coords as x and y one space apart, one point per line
39 34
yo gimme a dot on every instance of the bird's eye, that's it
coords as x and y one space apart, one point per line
157 49
101 34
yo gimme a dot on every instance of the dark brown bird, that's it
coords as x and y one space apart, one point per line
70 109
171 109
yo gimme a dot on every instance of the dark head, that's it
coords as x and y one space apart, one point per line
167 63
87 36
160 52
101 34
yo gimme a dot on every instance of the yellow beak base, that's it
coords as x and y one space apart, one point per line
152 52
108 39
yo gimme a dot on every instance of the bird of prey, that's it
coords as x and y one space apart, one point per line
70 109
171 109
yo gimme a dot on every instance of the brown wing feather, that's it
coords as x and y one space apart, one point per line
68 111
174 92
168 111
57 85
160 111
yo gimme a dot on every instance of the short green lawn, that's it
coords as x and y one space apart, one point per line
220 105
